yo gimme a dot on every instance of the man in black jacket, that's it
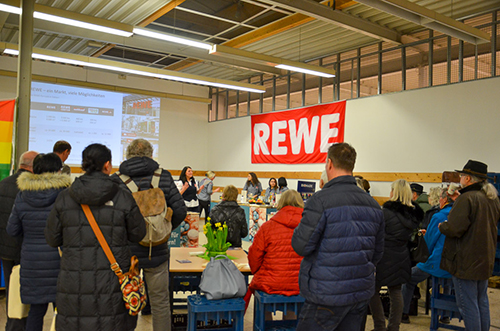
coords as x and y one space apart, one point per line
10 247
140 167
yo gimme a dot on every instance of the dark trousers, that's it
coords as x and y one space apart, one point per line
342 318
12 324
35 317
205 205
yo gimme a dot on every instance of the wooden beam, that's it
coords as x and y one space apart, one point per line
160 12
103 50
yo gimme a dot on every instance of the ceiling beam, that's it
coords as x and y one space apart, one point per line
160 12
344 20
154 45
431 19
103 50
268 30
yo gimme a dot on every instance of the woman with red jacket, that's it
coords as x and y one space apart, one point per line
275 265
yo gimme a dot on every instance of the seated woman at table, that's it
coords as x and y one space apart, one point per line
283 185
230 212
271 191
252 186
275 265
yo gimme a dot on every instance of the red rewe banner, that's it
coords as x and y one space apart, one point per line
297 136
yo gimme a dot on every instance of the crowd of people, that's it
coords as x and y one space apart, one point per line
337 251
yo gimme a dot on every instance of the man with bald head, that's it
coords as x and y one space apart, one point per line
10 247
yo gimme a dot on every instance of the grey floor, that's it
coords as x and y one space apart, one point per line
420 322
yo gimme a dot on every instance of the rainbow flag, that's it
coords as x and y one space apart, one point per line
6 125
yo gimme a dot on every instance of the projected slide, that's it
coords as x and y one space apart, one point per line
84 116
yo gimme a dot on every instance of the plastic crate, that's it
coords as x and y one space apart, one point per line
274 302
215 313
443 303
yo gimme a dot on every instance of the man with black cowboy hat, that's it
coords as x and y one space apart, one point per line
421 198
470 245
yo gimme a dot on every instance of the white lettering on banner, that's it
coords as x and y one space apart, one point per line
278 137
303 132
327 132
260 140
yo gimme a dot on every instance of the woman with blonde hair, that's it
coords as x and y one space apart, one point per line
402 217
275 265
206 192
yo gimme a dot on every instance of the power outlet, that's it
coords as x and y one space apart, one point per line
122 76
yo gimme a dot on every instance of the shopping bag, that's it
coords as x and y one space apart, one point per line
16 308
221 279
419 251
53 325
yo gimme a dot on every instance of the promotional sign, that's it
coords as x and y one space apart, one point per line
297 136
306 189
6 125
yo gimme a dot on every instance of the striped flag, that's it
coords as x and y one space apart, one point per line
6 124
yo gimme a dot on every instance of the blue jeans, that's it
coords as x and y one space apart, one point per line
37 312
417 276
344 318
472 302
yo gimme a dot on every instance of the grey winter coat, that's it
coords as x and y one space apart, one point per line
88 292
39 261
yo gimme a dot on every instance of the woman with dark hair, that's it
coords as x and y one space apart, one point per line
283 185
88 291
190 189
271 191
402 217
39 261
252 186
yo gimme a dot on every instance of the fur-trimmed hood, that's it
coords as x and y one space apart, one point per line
41 190
28 181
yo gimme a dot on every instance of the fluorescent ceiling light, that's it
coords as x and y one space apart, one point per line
80 24
174 39
10 9
140 72
305 71
270 60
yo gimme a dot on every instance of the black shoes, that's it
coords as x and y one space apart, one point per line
405 319
444 320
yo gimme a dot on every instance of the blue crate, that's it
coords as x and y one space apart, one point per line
215 312
274 302
443 303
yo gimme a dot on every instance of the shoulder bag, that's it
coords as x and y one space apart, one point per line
131 283
419 250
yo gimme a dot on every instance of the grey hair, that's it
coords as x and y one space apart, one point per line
434 194
210 174
324 177
488 188
26 161
444 194
139 148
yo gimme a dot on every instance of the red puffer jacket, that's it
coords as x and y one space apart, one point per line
273 262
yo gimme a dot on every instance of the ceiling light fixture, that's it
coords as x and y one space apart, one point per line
174 39
273 61
84 61
80 24
10 9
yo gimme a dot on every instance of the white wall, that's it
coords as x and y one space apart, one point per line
183 126
427 130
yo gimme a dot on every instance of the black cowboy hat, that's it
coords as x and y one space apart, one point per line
475 168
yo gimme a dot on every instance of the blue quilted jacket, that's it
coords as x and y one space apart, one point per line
39 262
341 236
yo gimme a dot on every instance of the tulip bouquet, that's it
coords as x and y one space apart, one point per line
216 239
